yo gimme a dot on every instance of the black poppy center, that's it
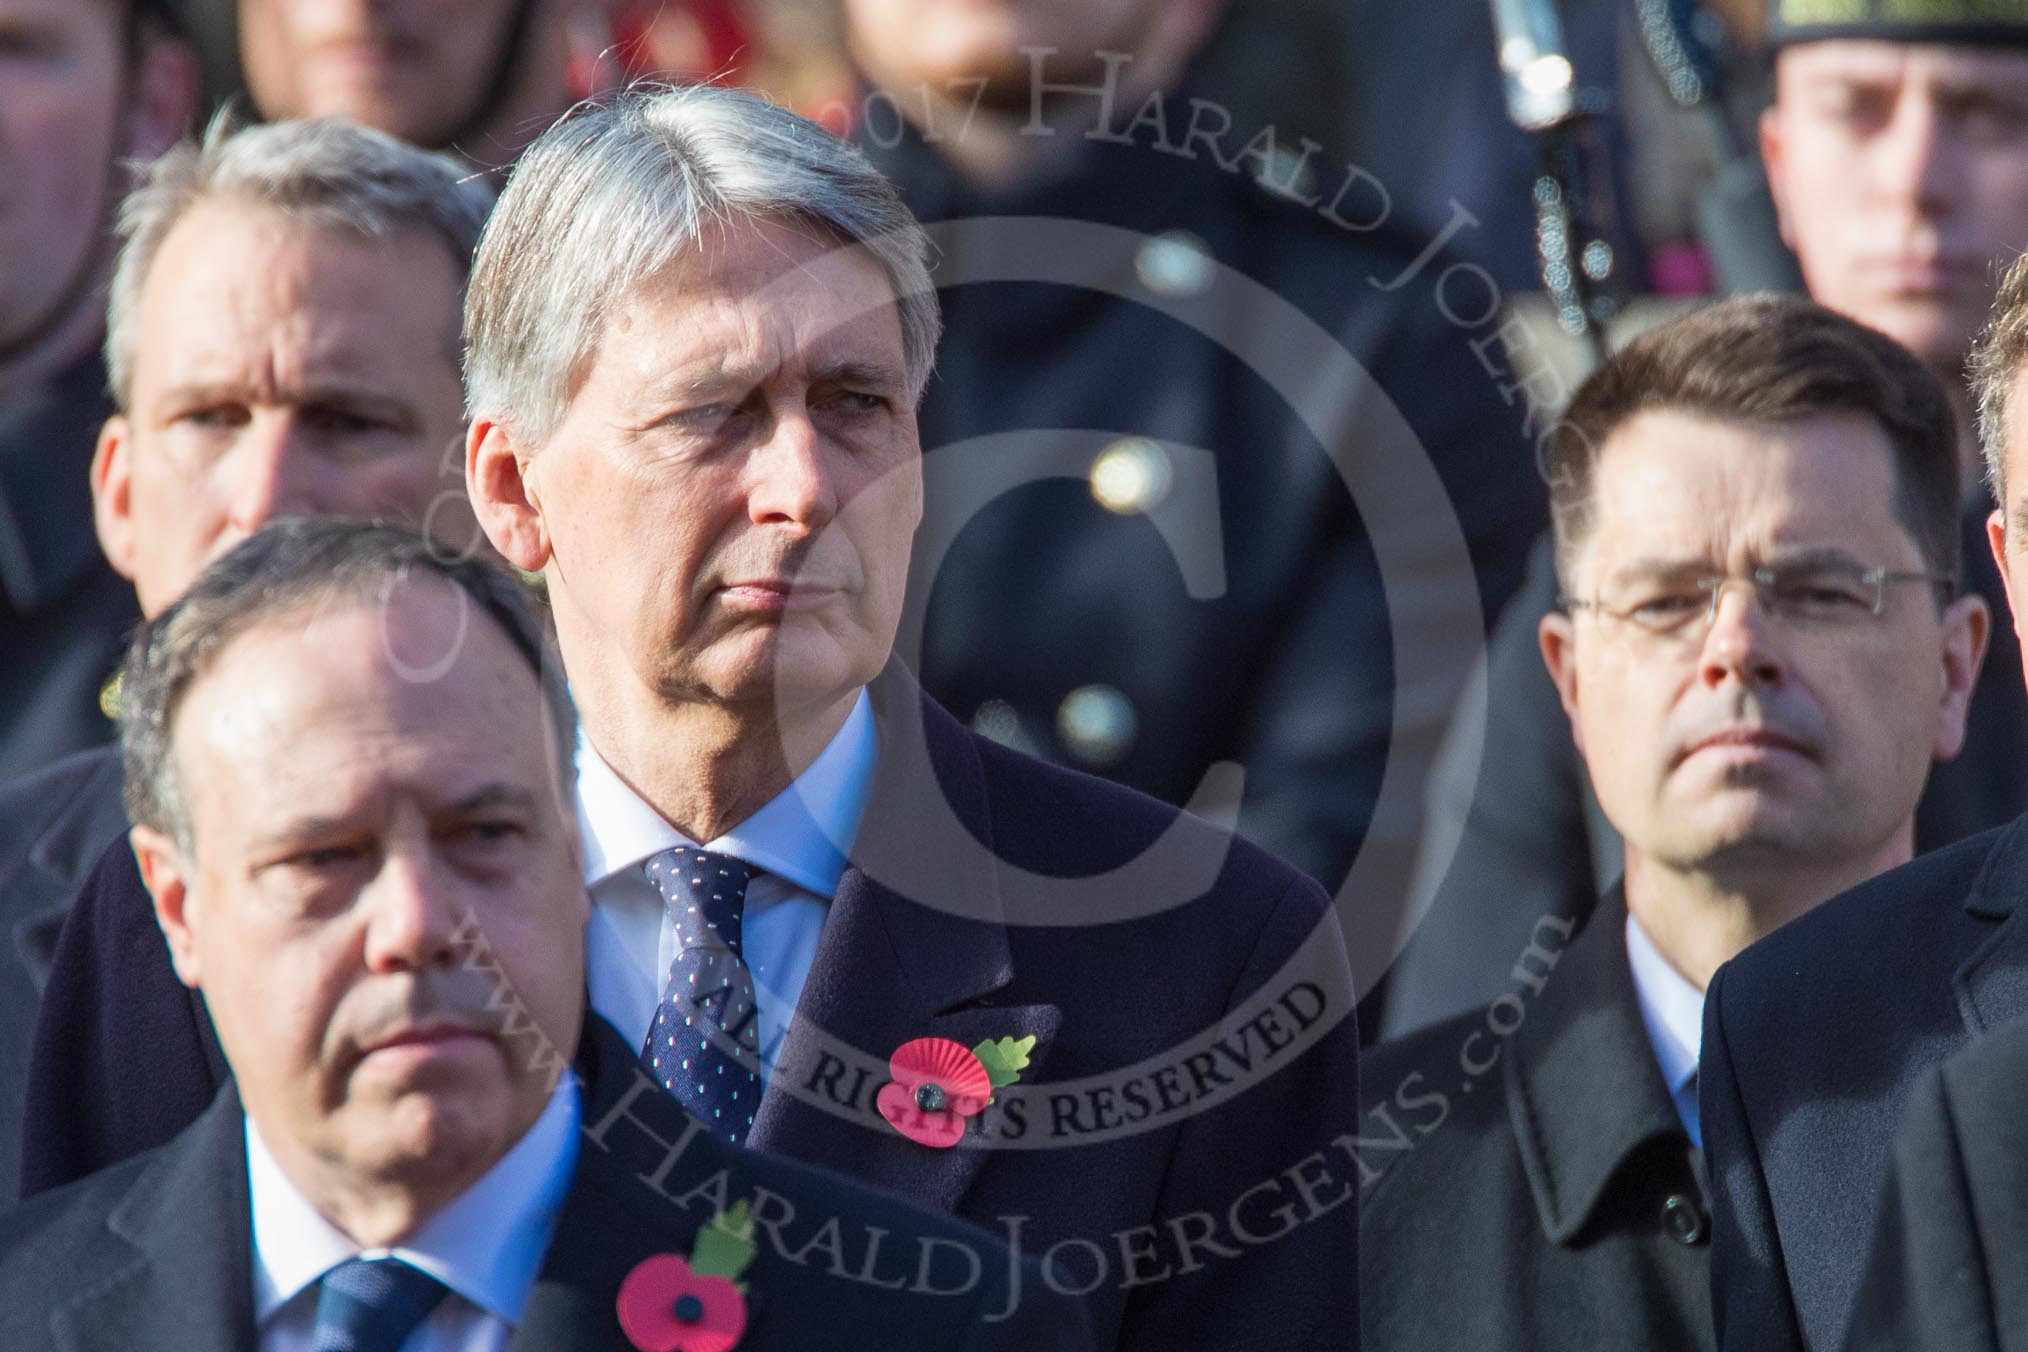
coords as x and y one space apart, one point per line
930 1098
689 1310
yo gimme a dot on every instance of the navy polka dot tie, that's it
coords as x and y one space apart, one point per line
372 1305
705 1042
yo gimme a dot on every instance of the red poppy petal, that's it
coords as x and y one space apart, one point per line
942 1129
647 1303
724 1316
940 1061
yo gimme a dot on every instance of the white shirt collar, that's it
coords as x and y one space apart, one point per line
487 1245
1671 1007
802 834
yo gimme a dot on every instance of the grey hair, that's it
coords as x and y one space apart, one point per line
1994 367
613 194
290 565
328 172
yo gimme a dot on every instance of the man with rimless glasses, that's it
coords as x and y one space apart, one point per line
1761 652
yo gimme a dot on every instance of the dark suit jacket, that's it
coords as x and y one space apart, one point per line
1535 844
1952 1246
1201 1215
1813 1040
155 1252
1537 1190
54 825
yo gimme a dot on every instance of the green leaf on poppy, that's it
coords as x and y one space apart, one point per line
1005 1059
725 1246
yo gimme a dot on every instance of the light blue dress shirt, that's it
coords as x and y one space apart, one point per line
487 1246
1672 1008
799 841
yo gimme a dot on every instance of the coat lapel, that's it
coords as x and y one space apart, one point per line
1584 1031
1992 985
915 946
179 1266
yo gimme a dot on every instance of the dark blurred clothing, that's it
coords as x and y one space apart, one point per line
1814 1041
1541 1181
54 825
1534 843
1945 1272
1262 638
64 612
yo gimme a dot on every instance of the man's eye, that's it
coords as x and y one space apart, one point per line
325 856
340 421
1822 597
1668 607
489 832
219 418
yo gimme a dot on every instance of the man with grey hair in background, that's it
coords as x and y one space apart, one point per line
282 340
840 926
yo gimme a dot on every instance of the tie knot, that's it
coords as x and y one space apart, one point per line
373 1305
705 894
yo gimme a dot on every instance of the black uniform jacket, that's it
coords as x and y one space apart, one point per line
1952 1244
1226 607
64 612
1813 1040
154 1253
1174 1144
1530 1185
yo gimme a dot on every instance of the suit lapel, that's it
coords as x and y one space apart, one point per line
1992 985
915 946
179 1267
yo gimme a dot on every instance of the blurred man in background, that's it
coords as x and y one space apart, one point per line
1898 154
283 342
1155 568
85 86
479 77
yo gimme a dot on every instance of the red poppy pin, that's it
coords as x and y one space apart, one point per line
672 1304
937 1084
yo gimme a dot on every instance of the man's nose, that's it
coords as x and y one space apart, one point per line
411 917
789 476
275 473
1741 643
1910 160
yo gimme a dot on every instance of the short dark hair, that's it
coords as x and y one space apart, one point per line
290 564
1767 359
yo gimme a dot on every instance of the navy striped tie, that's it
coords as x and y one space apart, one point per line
709 1001
373 1305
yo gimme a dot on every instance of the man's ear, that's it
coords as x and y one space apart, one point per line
1774 162
497 476
1967 628
1558 638
165 874
112 477
164 85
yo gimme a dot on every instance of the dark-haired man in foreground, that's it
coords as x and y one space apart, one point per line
349 765
1758 649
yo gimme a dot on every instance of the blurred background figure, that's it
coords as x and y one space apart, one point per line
1155 571
284 342
1899 164
85 86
